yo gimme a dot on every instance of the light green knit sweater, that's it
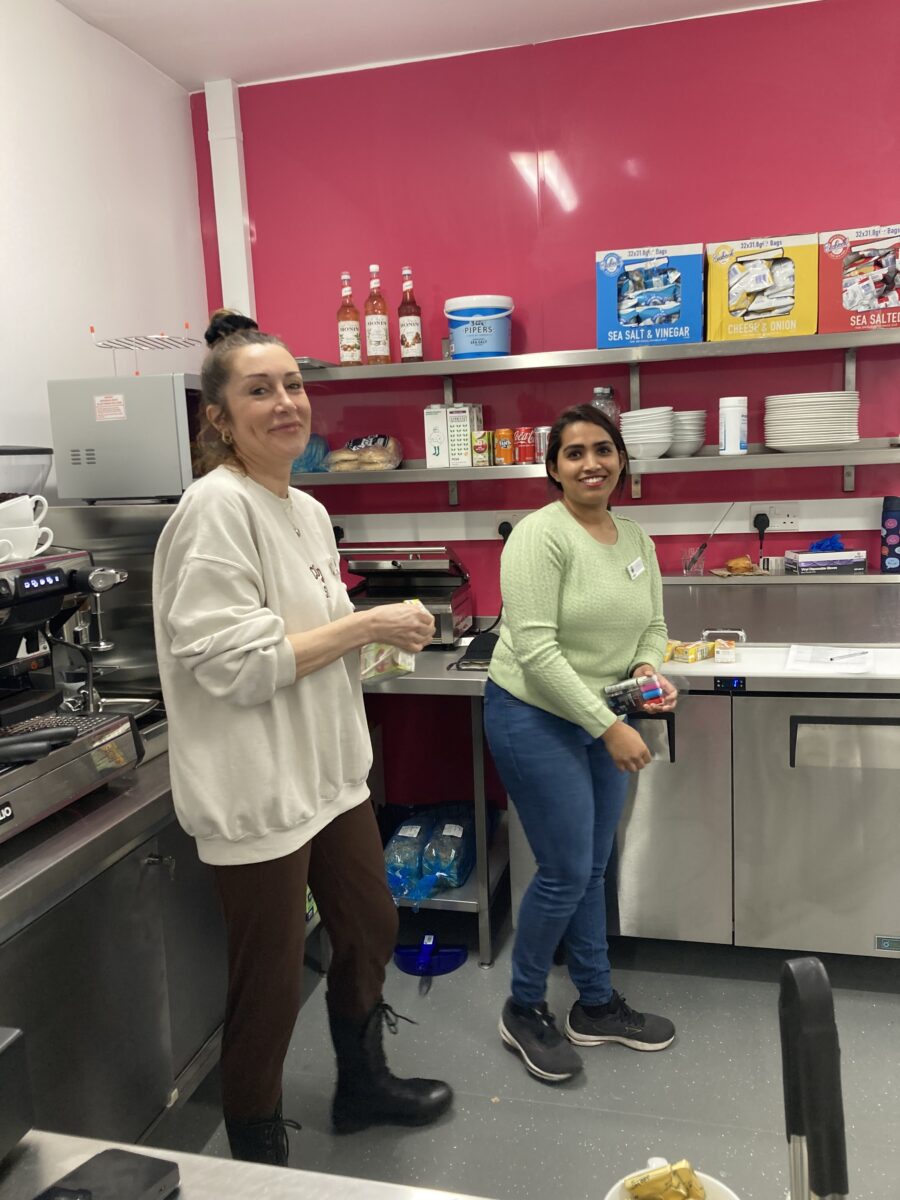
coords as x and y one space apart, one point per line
574 619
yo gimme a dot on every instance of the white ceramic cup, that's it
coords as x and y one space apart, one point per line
22 511
24 542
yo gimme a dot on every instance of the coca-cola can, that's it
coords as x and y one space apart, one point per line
524 444
541 440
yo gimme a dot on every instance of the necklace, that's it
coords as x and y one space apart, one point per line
289 513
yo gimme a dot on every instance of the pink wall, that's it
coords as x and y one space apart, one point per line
662 139
414 164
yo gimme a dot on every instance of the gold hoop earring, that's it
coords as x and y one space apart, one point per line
226 437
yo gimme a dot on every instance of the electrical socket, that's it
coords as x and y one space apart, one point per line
783 518
513 517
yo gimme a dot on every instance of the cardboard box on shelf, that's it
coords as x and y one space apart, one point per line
649 294
859 280
461 424
762 288
825 562
437 446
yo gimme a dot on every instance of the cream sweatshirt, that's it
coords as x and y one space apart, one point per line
260 761
578 615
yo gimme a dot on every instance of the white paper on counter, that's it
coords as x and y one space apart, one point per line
829 660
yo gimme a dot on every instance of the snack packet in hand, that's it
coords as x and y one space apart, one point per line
378 660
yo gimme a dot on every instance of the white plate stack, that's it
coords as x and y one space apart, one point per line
690 433
648 432
812 421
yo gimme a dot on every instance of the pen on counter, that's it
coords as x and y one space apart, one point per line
853 654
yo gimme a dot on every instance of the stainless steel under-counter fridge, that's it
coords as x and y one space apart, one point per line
817 823
671 872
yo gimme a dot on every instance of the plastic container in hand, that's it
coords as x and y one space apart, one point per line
634 695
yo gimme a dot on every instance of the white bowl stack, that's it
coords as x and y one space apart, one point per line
648 432
690 433
812 421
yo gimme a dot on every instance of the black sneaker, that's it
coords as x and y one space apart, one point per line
617 1022
532 1033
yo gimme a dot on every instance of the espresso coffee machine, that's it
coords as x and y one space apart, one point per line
49 754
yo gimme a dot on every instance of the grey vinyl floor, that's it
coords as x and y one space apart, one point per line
714 1097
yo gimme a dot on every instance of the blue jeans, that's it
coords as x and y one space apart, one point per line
569 796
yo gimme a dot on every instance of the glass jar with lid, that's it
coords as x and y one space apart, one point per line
604 399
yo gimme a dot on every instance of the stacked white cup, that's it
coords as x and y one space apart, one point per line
21 534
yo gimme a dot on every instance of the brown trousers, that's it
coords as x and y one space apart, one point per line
265 918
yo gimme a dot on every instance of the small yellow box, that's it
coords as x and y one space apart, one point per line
691 652
670 650
762 287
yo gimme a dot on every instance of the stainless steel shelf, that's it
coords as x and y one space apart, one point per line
869 451
465 898
627 355
415 471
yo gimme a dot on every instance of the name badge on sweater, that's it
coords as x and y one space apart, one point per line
635 568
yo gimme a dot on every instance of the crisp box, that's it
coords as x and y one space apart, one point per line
859 282
761 288
651 294
825 562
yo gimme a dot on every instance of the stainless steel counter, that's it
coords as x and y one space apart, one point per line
435 675
42 1158
763 667
51 861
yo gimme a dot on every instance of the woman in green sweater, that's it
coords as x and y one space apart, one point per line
582 609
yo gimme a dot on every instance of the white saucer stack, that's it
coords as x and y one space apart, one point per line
690 433
812 421
648 432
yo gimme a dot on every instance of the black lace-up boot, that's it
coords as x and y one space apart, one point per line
261 1141
367 1093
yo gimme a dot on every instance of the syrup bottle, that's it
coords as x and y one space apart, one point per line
349 339
378 347
410 315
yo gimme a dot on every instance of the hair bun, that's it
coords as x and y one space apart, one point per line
225 321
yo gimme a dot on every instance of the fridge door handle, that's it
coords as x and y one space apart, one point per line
669 719
886 747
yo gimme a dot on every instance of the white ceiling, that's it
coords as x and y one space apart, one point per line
194 41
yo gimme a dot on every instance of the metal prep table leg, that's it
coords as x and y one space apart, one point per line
482 848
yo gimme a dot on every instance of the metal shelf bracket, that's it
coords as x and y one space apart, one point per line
634 385
849 370
636 486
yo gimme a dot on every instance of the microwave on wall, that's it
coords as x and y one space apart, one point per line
124 438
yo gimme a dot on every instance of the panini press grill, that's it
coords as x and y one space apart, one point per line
431 574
